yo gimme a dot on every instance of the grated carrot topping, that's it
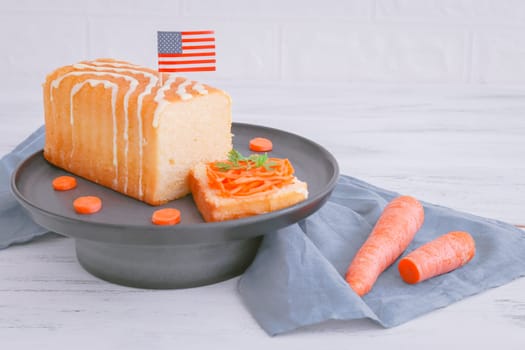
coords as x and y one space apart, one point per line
246 178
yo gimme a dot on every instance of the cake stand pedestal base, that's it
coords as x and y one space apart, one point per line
168 266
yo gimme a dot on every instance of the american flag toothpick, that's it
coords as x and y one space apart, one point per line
190 51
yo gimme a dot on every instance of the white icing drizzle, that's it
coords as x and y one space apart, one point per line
200 88
113 64
114 92
181 90
56 83
161 101
133 85
153 81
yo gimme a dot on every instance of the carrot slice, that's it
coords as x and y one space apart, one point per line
261 144
87 204
444 254
391 235
166 216
64 183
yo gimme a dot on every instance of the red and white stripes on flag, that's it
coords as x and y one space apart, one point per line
190 51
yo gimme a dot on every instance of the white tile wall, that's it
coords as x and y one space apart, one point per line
32 44
377 41
499 57
378 53
280 9
459 12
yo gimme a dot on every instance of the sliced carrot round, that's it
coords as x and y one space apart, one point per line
166 216
64 183
261 144
87 204
409 271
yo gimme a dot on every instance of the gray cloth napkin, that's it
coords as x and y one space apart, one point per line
16 226
297 276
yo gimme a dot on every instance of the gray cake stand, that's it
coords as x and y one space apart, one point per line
121 245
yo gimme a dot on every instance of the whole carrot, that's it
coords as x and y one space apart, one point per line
442 255
391 235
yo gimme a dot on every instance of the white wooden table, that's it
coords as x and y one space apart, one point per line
461 147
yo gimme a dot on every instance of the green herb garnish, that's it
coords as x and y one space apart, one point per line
237 161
